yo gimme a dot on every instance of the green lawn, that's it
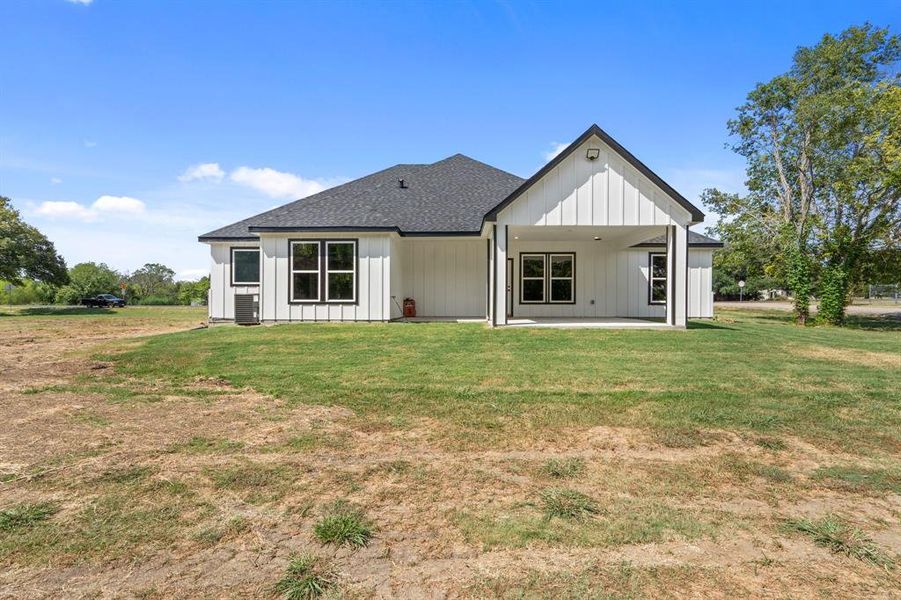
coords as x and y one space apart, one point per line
713 460
749 372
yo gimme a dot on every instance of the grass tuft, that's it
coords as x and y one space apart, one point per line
306 577
841 538
231 528
344 525
855 479
563 468
567 504
771 443
124 475
203 445
26 515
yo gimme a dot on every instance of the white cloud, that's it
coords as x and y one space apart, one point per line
277 184
55 180
191 274
89 143
556 148
65 210
121 206
205 171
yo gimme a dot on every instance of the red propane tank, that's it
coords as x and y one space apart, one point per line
409 307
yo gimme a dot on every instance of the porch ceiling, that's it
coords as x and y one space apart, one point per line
563 233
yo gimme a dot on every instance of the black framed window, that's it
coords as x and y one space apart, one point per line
245 266
562 277
340 270
532 285
547 278
323 270
656 278
305 261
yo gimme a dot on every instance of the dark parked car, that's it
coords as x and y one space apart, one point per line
103 300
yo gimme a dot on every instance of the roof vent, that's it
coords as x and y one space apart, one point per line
402 184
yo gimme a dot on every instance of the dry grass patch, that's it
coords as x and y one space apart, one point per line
858 357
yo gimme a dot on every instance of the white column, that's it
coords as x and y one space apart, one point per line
670 269
500 274
680 289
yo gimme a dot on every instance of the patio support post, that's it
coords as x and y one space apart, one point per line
670 280
680 276
500 275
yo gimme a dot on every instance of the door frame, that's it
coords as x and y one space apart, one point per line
510 279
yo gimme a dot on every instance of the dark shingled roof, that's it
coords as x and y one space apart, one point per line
694 239
450 196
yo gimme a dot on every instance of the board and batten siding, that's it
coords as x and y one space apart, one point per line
609 282
605 191
222 293
700 283
447 277
373 281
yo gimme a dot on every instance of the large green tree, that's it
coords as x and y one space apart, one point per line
88 279
25 253
153 280
823 164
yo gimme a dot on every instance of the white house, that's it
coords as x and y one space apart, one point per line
594 234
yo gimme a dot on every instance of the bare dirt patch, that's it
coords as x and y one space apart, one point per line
206 491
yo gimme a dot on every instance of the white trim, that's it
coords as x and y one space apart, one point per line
317 271
234 280
353 271
551 278
652 279
522 278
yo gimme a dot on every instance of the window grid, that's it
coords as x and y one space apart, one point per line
524 278
330 271
571 278
547 278
322 271
654 279
294 298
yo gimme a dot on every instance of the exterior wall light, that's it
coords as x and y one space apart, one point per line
592 153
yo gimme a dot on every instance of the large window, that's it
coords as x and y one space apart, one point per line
245 266
547 278
657 279
323 270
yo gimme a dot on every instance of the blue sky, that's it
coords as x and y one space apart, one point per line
129 128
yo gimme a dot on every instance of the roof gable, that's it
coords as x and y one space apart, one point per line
696 215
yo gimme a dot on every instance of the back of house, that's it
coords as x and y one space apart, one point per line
593 234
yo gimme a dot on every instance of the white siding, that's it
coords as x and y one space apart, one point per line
447 277
609 282
606 191
222 292
700 283
373 281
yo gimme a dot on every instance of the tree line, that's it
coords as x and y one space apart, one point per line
822 142
30 264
